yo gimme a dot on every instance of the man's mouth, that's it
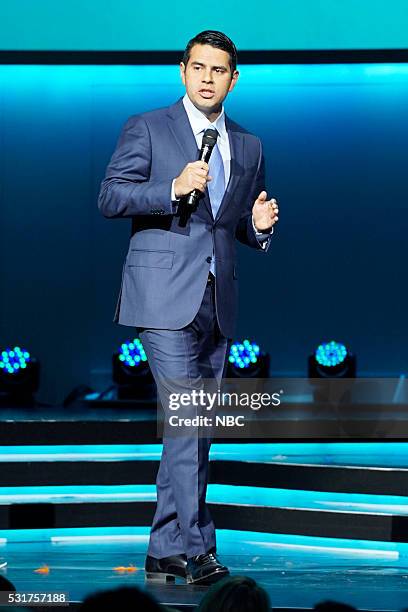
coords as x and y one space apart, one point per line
206 93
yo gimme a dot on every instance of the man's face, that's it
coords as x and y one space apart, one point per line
208 78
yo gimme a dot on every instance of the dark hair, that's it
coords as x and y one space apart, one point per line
6 585
235 594
216 39
123 599
333 606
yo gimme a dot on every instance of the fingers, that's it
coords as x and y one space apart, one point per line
193 176
197 175
200 183
201 187
200 172
275 216
199 164
273 204
262 197
274 208
266 211
199 167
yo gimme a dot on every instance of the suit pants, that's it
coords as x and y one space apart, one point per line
180 361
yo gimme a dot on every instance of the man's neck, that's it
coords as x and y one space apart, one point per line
211 115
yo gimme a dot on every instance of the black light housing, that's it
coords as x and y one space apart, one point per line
131 372
332 360
19 374
246 360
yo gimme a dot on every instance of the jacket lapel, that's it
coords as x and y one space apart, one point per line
183 134
237 161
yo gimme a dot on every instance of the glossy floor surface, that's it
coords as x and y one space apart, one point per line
297 571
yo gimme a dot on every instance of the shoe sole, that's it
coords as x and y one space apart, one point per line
161 577
203 580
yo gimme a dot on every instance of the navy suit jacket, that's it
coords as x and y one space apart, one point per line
166 268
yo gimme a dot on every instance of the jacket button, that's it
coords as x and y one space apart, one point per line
208 260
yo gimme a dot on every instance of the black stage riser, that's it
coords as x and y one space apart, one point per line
298 477
338 479
227 516
35 432
60 473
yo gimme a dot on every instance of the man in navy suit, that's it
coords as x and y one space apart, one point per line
179 279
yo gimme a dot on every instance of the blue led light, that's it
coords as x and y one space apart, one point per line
330 354
250 542
243 354
13 360
132 353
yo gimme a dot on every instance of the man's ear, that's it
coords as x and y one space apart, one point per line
182 72
234 79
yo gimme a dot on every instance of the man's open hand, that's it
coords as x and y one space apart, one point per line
265 212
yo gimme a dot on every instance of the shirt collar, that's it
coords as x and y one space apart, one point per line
199 121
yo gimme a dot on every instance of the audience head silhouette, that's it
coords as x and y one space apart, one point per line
235 594
333 606
125 599
6 585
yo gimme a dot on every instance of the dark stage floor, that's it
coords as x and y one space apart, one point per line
296 571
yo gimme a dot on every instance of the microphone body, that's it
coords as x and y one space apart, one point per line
209 142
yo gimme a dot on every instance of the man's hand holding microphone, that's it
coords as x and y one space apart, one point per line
195 177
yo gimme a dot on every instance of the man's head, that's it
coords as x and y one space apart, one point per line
208 70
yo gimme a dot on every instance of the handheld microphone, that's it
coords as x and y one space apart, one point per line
209 142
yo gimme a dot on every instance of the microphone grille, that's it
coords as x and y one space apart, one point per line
210 137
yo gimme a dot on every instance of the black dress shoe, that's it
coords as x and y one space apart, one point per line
165 569
205 569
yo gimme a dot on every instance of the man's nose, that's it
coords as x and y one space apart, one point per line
207 77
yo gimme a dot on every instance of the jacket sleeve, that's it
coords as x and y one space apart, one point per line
127 190
245 232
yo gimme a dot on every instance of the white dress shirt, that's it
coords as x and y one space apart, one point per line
199 123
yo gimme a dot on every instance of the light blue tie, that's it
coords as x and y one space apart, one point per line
216 187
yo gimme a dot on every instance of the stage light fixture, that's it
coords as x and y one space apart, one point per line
19 373
332 360
131 371
246 360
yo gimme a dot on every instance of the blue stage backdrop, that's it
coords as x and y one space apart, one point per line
335 140
100 25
